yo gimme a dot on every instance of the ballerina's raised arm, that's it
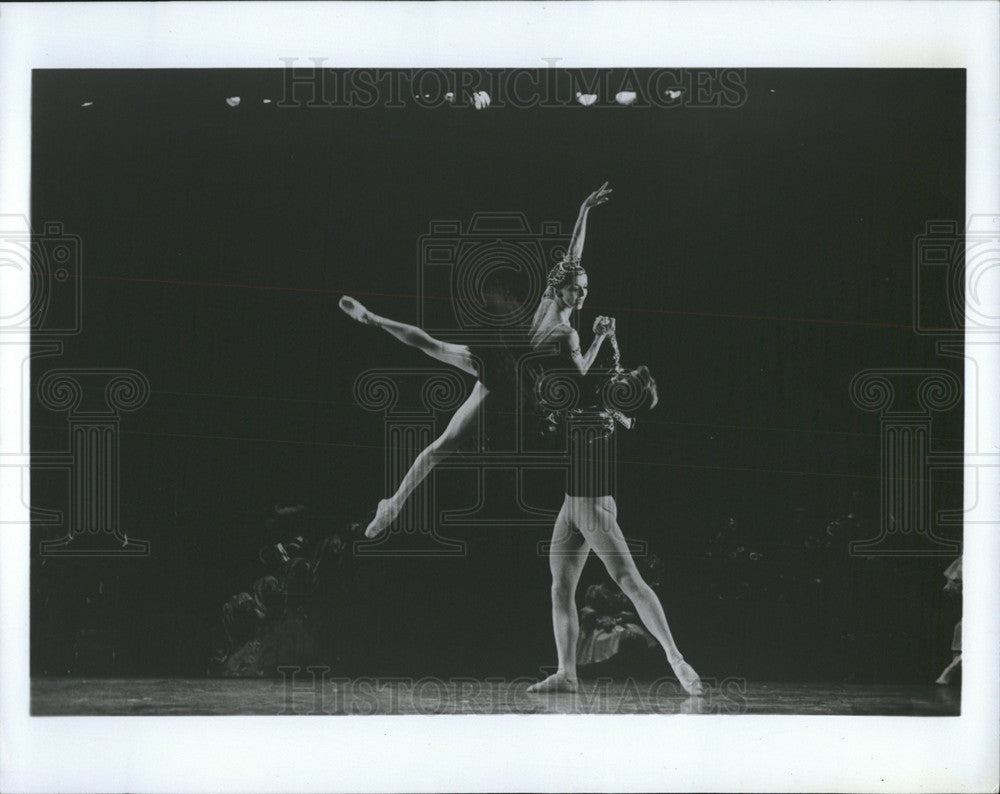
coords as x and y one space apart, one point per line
575 250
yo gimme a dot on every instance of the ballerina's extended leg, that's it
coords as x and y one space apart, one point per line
356 311
447 352
462 423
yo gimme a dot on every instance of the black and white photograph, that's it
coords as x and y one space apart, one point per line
414 396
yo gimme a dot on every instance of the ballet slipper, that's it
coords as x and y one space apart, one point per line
355 310
689 678
384 516
557 682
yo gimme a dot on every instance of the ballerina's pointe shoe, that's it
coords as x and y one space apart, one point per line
689 678
383 517
355 310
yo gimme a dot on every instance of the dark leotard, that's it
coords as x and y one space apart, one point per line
497 369
589 431
496 365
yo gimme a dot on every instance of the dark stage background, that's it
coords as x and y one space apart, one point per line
755 257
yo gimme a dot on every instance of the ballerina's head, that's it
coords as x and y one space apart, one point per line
567 284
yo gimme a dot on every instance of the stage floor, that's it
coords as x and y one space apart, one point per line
307 695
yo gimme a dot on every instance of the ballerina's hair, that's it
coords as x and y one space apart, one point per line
560 275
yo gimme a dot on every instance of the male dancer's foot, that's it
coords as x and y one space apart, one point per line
356 311
385 515
688 677
559 681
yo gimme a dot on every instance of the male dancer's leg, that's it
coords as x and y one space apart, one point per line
567 557
597 519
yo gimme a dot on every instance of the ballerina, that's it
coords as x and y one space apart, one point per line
461 356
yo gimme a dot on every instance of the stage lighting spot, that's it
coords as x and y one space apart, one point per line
86 104
586 99
232 101
267 101
625 97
